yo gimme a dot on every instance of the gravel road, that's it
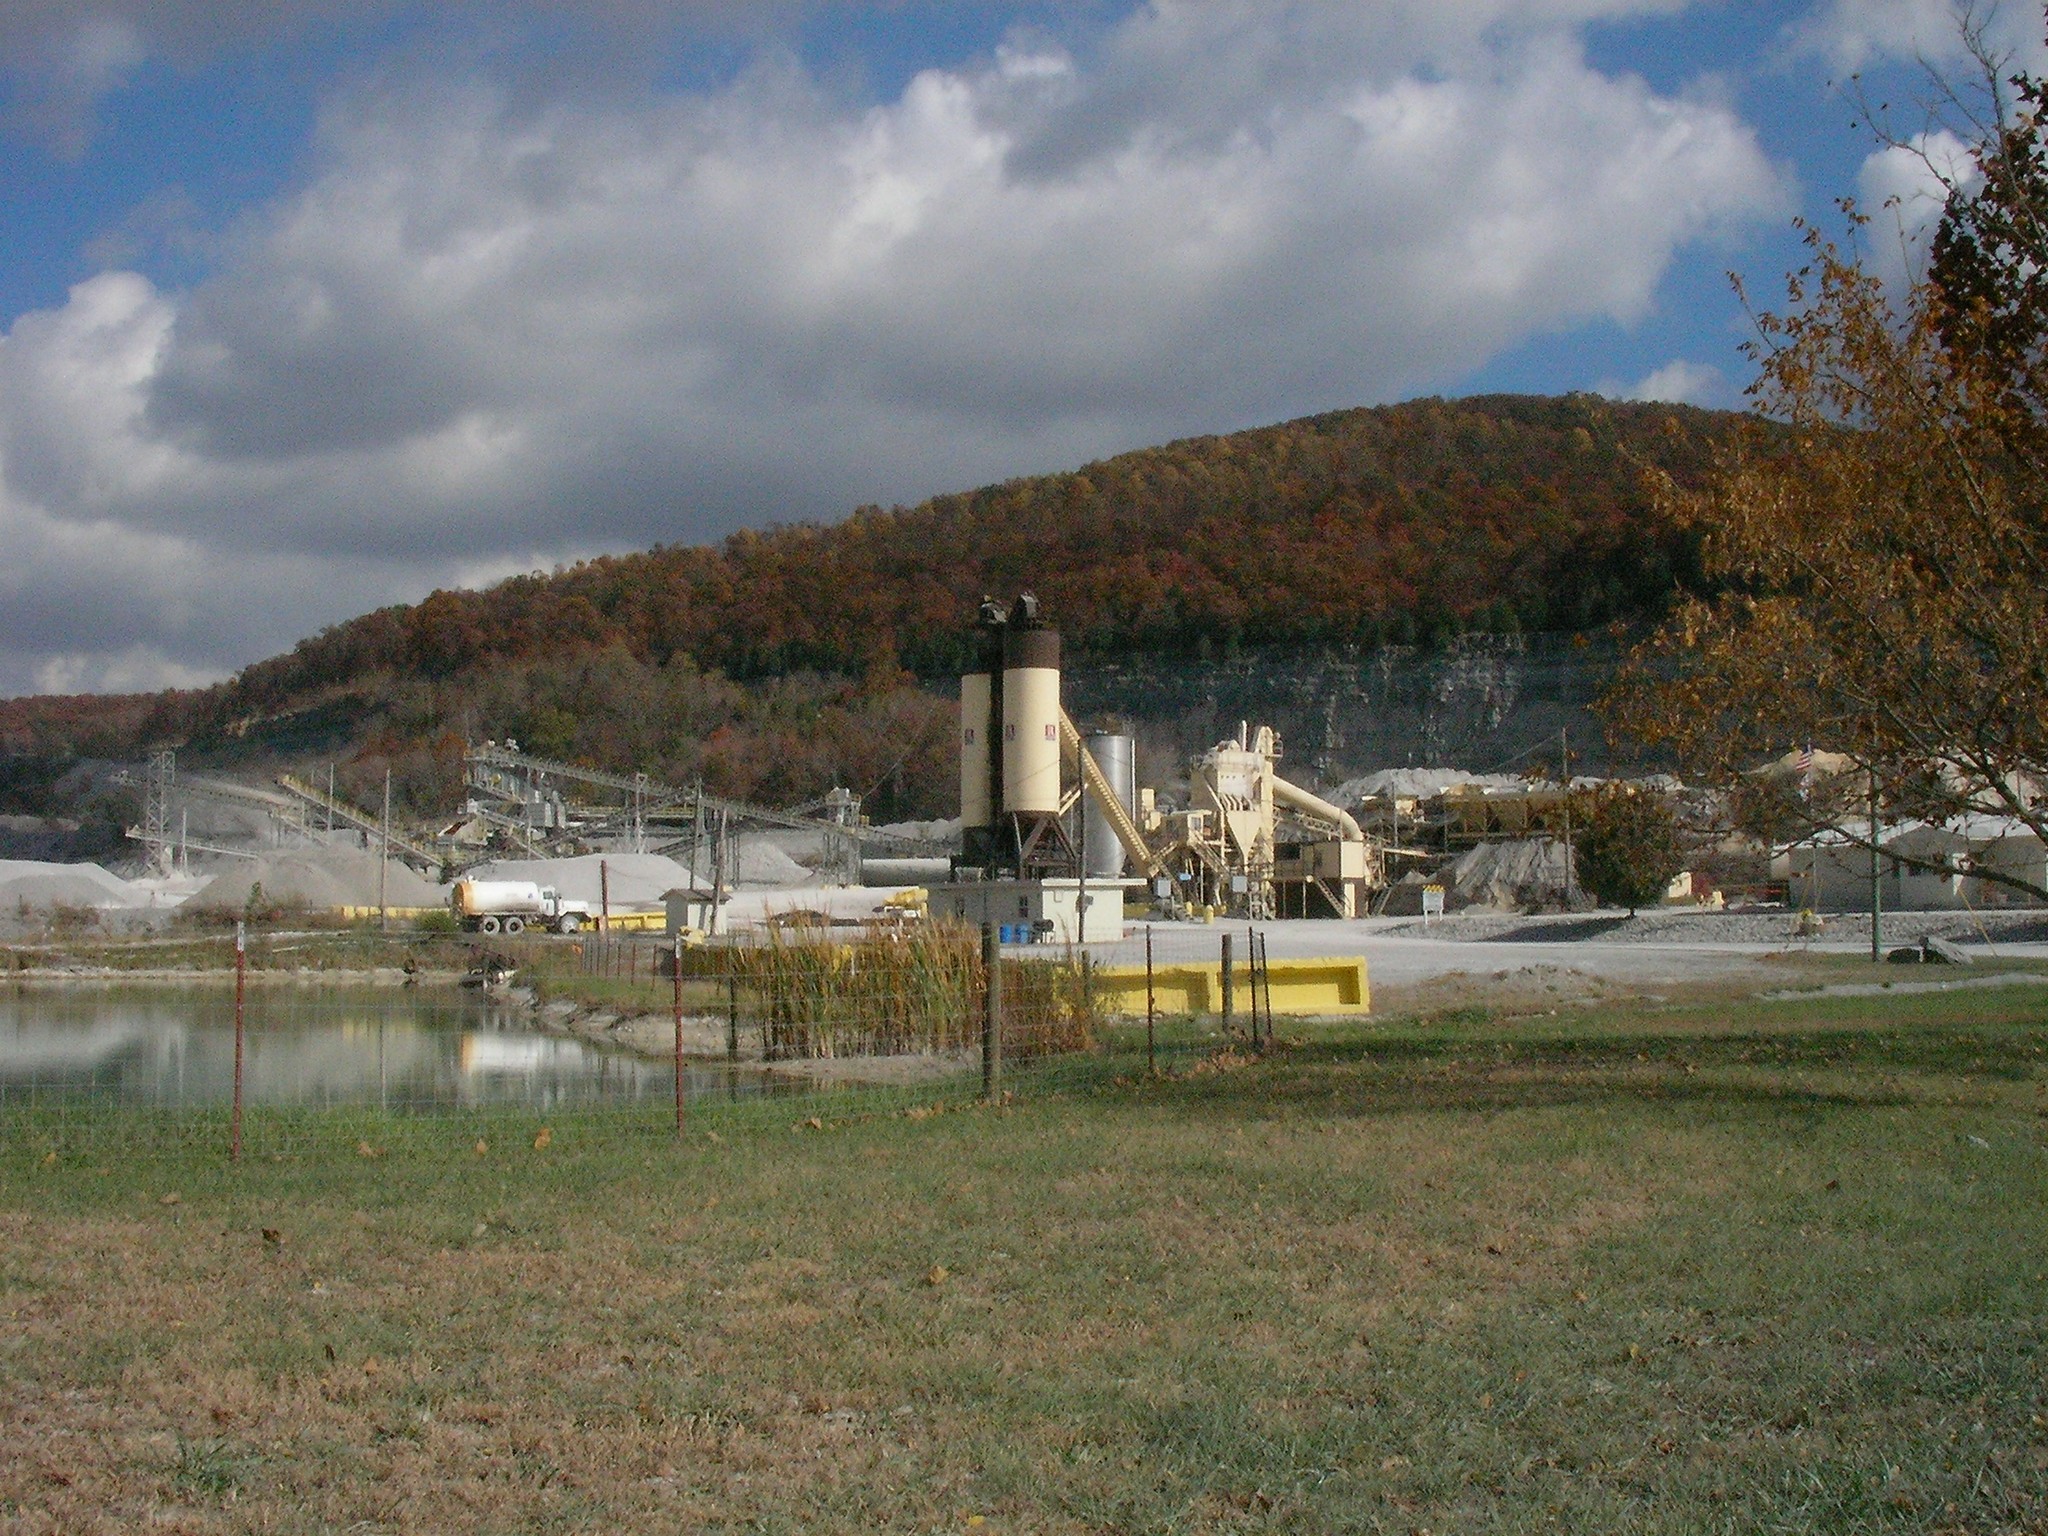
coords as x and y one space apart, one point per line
1652 948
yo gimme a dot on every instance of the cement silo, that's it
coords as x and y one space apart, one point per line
1117 757
981 724
1012 748
1031 721
977 773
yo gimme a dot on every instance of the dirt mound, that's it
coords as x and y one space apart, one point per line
317 878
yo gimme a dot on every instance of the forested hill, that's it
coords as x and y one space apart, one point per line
1401 522
1404 524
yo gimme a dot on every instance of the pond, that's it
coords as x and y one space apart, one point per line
397 1049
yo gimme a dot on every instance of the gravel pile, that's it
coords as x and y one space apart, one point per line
1508 876
43 884
1415 784
60 888
947 831
317 878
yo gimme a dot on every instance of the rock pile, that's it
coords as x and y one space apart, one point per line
317 878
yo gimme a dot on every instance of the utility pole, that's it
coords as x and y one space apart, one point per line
1876 889
1564 774
1081 892
384 861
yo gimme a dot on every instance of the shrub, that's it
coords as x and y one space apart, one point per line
1630 848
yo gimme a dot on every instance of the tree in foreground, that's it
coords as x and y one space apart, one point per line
1629 849
1878 536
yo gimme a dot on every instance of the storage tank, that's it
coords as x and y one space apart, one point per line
1031 721
977 713
1117 757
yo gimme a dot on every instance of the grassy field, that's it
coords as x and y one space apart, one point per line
1721 1266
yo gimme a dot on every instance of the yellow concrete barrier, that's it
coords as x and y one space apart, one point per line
1333 984
654 920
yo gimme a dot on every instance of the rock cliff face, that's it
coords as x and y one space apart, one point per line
1484 702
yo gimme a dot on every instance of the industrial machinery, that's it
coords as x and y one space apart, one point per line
1273 848
1249 842
540 808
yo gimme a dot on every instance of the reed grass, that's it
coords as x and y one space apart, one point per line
895 991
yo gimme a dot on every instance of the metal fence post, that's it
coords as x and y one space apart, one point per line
991 1011
1266 984
732 1007
1151 1011
1229 988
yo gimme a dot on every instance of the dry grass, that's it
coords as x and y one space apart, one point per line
1633 1274
896 991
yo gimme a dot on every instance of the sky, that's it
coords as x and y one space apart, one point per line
311 306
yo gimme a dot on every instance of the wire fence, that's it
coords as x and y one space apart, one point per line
357 1041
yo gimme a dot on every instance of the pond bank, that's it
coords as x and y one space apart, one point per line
652 1035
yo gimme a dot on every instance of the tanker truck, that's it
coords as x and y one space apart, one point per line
511 906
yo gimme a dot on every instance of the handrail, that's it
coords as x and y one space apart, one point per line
362 821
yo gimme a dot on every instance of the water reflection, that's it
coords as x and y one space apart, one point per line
398 1050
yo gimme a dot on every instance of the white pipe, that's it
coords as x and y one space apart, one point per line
1301 800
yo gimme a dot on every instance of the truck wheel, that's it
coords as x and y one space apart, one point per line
488 923
571 922
515 925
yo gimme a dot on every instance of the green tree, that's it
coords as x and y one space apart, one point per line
1629 848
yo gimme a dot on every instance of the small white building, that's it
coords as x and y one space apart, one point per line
1039 911
1829 874
689 908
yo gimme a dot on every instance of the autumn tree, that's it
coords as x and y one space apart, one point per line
1629 848
1877 539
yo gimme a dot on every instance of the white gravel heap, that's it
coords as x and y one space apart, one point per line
1414 784
942 832
318 878
42 884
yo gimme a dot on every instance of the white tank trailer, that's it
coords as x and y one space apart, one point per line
511 906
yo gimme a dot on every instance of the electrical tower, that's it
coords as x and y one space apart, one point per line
156 809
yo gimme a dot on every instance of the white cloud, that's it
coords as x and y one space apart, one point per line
1903 188
1679 382
483 329
1855 34
139 669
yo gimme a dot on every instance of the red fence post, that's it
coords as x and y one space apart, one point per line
678 993
241 976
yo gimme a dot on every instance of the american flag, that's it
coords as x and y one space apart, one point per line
1805 768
